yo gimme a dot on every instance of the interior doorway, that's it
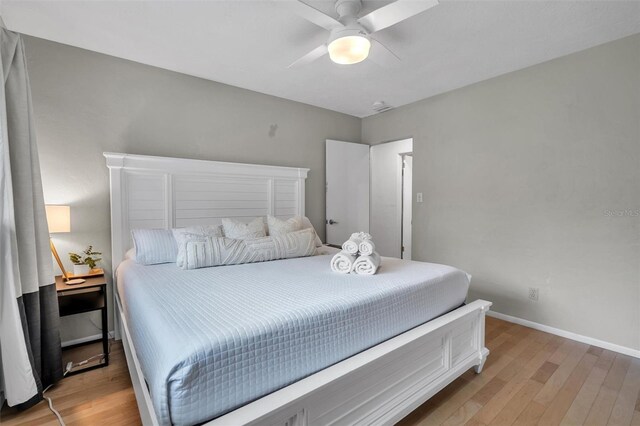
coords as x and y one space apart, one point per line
407 204
391 197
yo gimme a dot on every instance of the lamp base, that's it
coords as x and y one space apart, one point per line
75 281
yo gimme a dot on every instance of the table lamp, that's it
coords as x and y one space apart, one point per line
59 221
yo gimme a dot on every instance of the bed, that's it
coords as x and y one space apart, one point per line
286 342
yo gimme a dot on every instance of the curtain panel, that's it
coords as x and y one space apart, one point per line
30 351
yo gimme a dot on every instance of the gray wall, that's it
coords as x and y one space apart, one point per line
86 103
532 179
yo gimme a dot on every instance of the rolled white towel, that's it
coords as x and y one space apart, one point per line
351 245
367 265
366 247
361 235
343 262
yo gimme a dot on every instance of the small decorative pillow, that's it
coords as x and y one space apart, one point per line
240 231
183 234
279 227
154 246
306 224
295 223
203 252
130 254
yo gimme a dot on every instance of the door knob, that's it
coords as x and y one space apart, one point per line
331 222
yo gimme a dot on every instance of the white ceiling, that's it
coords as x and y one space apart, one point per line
249 44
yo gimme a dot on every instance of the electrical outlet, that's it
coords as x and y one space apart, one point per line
419 197
533 293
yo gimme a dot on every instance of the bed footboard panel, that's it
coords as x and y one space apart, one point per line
380 385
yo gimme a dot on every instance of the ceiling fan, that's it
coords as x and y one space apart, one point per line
350 36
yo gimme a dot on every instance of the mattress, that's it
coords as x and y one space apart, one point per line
211 340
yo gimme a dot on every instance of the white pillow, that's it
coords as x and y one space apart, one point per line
202 251
295 223
130 254
279 227
154 246
240 231
306 224
182 234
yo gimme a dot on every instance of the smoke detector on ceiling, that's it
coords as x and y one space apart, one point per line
381 106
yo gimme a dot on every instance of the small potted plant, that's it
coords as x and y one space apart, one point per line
85 262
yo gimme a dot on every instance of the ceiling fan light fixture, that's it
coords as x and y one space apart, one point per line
349 50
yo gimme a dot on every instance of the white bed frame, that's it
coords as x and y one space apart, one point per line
378 386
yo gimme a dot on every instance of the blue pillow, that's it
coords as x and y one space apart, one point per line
154 246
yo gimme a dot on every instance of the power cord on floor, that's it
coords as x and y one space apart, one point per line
51 407
67 370
53 410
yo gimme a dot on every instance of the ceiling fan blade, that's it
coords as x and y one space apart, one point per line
316 53
395 12
381 55
311 14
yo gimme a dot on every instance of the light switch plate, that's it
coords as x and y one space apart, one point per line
419 197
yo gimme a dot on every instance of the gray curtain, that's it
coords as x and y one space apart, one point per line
30 349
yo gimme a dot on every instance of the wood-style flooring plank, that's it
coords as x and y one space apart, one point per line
562 401
503 398
604 402
97 397
505 353
579 410
625 404
518 403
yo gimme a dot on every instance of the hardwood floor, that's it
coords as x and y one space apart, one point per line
530 378
97 397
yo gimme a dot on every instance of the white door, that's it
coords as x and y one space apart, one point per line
407 205
386 196
347 174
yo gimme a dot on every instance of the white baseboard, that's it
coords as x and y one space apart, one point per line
567 334
85 339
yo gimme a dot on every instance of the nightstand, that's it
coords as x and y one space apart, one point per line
89 296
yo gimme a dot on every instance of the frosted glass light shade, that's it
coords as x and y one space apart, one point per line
58 218
349 50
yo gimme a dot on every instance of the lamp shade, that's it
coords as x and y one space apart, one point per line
58 218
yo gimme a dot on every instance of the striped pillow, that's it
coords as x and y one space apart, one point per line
203 252
154 246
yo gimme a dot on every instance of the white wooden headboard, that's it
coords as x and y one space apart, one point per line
165 192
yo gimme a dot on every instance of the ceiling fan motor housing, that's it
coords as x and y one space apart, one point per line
348 15
347 31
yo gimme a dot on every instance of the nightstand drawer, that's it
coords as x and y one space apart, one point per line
81 302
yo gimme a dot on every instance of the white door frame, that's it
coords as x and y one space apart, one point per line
403 224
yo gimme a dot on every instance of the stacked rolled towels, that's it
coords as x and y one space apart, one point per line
358 255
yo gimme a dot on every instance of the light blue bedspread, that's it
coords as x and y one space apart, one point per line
211 340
